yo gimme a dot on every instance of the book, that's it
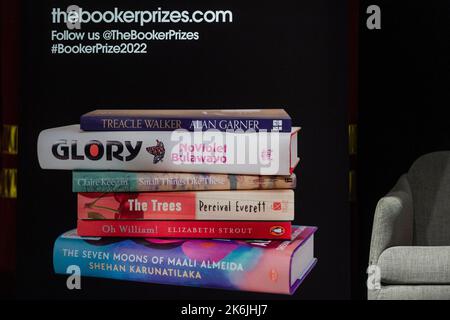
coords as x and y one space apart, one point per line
185 229
261 205
259 266
69 148
127 181
192 120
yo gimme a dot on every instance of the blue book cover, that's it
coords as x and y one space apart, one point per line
254 265
246 120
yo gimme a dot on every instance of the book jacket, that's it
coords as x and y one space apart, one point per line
185 229
262 205
192 120
261 266
69 148
123 181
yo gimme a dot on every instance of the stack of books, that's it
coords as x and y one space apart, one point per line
187 197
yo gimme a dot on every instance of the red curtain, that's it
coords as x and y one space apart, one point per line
9 105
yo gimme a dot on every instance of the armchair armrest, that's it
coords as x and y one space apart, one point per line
415 265
393 220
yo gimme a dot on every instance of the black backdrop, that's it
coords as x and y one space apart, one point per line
283 53
404 83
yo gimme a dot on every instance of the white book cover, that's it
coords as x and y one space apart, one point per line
259 153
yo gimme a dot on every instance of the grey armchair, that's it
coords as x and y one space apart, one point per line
410 244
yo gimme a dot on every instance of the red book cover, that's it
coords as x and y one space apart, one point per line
261 205
185 229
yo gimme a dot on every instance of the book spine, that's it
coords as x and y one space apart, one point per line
121 181
142 123
256 153
209 263
185 229
261 205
